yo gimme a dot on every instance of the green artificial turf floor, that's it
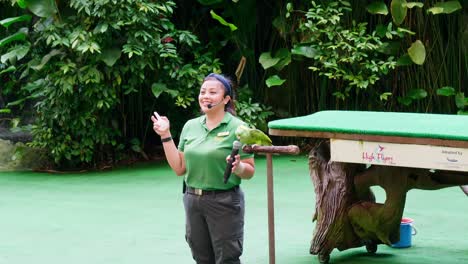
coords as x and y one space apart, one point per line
134 215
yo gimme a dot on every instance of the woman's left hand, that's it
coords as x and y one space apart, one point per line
237 165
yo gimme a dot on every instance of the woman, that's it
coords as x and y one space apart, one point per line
214 209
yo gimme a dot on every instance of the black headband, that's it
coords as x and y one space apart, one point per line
222 80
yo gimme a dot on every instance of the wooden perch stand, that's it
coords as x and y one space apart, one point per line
268 151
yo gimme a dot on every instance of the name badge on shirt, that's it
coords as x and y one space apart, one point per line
223 134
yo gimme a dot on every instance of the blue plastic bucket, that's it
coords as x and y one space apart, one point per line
407 230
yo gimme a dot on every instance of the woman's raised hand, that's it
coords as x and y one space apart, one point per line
161 125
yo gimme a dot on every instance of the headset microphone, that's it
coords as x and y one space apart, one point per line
211 105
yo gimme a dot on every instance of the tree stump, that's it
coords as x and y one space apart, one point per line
346 212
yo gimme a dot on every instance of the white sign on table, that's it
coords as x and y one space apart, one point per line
403 155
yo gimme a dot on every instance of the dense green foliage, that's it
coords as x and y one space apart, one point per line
93 67
95 70
369 59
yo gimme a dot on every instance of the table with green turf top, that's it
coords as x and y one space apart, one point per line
355 150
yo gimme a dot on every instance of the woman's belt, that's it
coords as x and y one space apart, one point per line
200 192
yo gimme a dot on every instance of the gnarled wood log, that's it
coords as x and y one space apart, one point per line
333 183
346 213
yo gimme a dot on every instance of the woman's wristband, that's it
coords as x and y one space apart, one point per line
166 139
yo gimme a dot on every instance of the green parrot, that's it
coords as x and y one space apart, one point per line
252 136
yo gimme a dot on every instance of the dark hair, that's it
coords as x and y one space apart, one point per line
228 85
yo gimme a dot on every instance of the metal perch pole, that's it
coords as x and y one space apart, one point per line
268 151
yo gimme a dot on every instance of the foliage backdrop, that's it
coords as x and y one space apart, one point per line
92 72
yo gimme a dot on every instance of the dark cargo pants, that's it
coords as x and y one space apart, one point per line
215 226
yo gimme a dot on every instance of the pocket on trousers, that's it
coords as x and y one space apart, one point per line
232 250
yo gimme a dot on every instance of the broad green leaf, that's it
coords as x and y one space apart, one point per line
17 53
445 7
460 100
446 91
404 60
274 80
9 69
285 58
11 20
417 94
17 102
110 56
304 50
15 37
405 100
222 21
267 61
210 2
414 4
381 30
384 96
417 52
405 31
101 28
398 9
461 112
21 3
42 8
158 88
377 8
5 111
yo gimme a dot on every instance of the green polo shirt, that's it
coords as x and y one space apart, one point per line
205 152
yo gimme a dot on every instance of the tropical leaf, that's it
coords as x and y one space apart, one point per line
110 56
222 21
398 9
267 61
414 4
17 53
158 88
417 94
445 7
384 96
417 52
377 8
446 91
406 31
405 100
42 8
285 58
274 80
304 50
404 60
18 36
11 20
21 3
9 69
